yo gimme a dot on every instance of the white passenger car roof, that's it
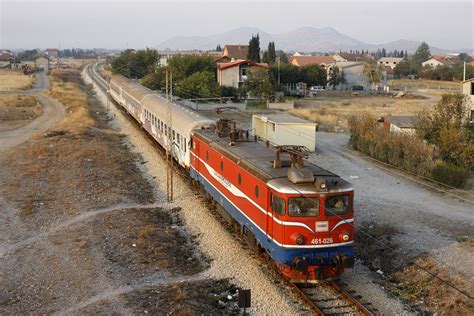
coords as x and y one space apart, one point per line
184 119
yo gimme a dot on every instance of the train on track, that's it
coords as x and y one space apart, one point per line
300 214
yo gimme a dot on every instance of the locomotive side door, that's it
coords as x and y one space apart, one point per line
276 210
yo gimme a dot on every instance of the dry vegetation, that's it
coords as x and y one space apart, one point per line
332 113
403 84
18 110
425 291
15 80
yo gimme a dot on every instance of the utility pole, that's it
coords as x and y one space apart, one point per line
279 58
464 72
169 146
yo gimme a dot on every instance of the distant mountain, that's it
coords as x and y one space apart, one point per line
305 39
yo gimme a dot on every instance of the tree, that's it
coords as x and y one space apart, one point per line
218 48
135 64
283 56
336 77
422 53
258 84
314 75
271 52
445 127
200 84
403 68
464 57
254 49
28 55
373 73
183 67
265 57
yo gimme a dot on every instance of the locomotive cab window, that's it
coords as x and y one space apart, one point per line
278 205
338 205
303 206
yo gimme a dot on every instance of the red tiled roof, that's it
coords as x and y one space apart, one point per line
311 60
51 49
447 61
236 51
220 59
238 62
355 57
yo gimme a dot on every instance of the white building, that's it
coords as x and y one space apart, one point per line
468 90
285 129
436 61
391 62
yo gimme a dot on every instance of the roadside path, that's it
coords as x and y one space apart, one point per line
53 112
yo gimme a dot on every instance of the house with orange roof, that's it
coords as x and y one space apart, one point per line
236 51
234 73
302 60
343 57
441 61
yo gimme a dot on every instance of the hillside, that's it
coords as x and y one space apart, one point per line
305 39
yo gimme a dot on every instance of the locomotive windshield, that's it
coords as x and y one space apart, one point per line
337 205
303 206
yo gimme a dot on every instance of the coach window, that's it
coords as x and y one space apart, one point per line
239 179
207 155
222 166
256 191
278 204
166 130
185 143
178 139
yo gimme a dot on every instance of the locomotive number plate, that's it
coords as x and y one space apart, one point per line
321 241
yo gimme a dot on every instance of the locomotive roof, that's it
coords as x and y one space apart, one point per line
257 158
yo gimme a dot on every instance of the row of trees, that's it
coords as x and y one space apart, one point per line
442 148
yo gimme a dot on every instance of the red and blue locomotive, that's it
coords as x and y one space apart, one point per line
301 214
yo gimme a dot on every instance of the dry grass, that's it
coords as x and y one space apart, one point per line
65 88
18 110
15 80
419 288
424 84
332 113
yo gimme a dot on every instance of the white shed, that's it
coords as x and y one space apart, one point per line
285 129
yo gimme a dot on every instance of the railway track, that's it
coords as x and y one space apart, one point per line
325 298
330 298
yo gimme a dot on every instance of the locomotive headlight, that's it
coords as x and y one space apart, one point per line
323 185
344 236
298 239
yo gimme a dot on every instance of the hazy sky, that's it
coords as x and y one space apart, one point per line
116 24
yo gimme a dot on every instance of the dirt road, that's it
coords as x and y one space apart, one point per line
53 112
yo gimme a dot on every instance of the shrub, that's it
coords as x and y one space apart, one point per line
450 174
